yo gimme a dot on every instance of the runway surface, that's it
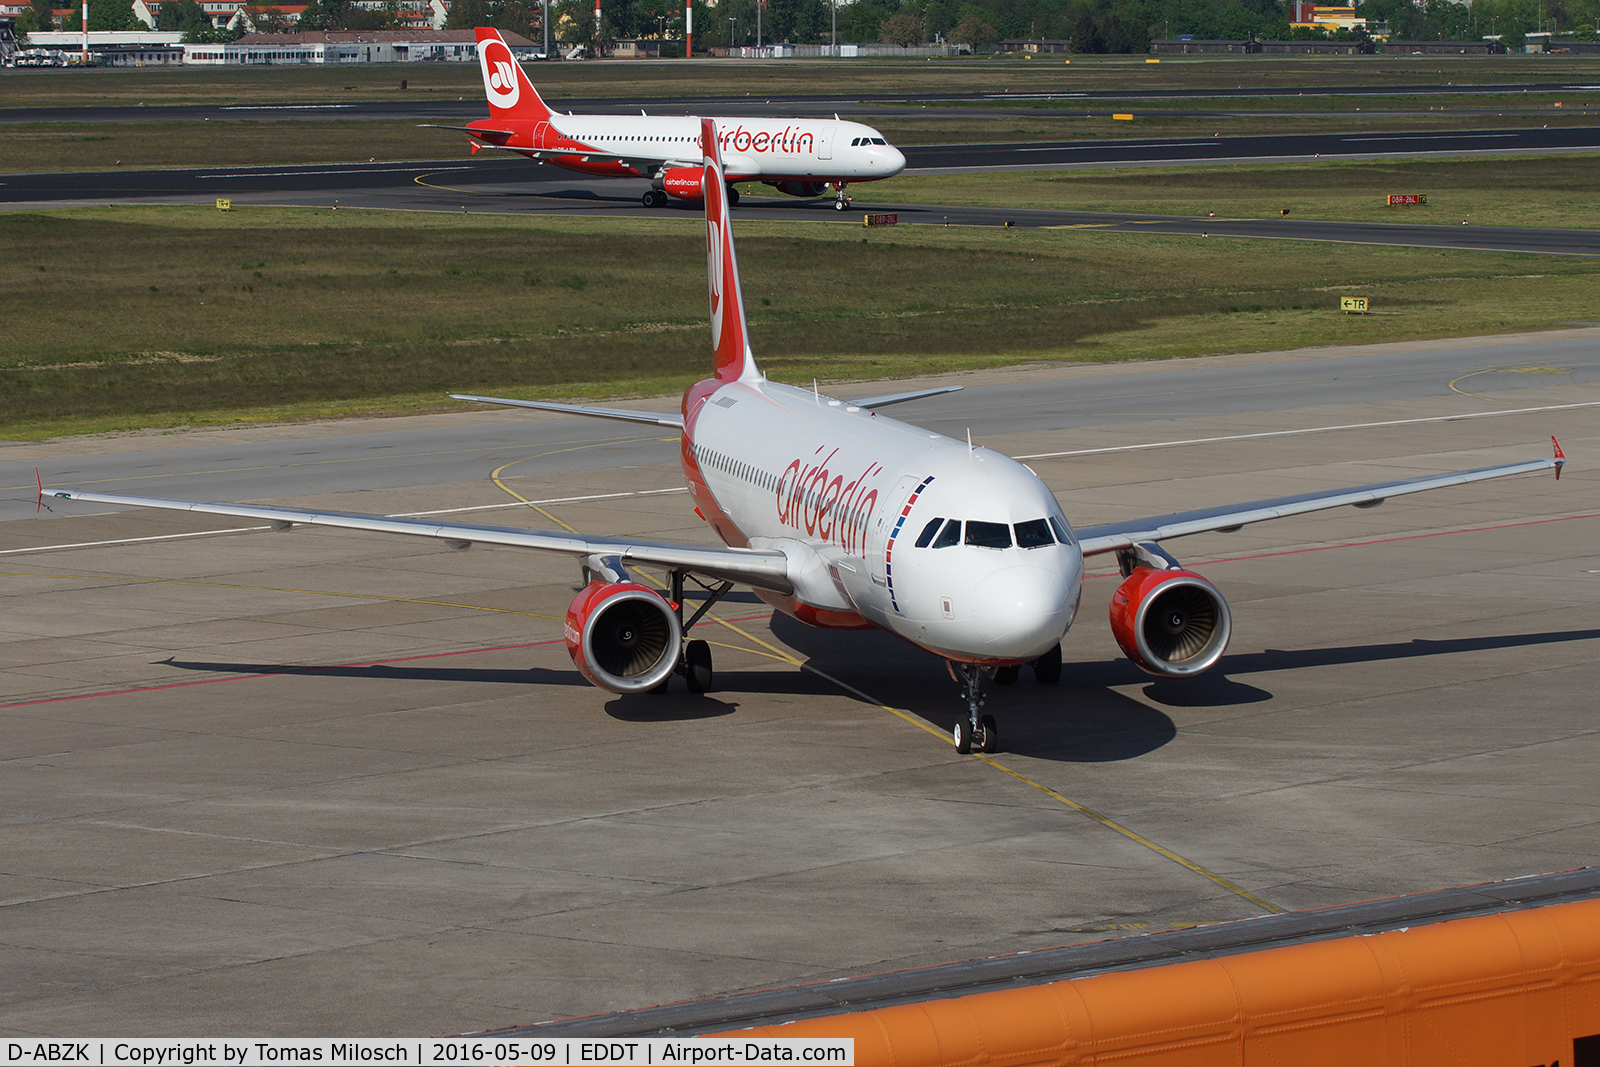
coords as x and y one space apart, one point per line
310 782
425 106
514 185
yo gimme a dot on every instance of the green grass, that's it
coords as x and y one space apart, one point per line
910 78
149 317
1554 191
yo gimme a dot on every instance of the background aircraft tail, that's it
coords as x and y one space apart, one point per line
511 95
729 337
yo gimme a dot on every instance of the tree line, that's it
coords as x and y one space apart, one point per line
1091 26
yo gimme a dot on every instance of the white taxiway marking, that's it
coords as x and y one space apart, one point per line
1313 429
401 515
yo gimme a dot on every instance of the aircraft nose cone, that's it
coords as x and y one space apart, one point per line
1022 611
896 161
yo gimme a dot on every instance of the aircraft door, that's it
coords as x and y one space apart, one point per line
880 559
825 143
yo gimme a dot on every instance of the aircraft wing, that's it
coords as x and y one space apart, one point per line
766 569
623 414
1108 538
900 398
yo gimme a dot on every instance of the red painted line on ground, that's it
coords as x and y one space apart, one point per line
309 670
273 674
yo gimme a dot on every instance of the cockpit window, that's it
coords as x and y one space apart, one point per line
928 531
950 535
854 142
1063 533
988 534
876 140
1035 533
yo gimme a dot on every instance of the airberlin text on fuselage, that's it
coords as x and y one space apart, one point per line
740 139
814 499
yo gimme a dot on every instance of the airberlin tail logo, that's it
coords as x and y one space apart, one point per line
499 74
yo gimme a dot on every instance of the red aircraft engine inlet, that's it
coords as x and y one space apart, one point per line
1173 624
683 183
801 188
623 637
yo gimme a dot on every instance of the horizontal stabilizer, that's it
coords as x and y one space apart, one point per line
886 399
465 129
622 414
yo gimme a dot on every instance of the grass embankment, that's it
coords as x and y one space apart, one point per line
911 78
152 317
1551 191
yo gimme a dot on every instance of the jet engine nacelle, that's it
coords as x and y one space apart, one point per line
683 183
800 188
623 637
1172 623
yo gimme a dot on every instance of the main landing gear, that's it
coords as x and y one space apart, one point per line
654 198
977 730
694 663
733 196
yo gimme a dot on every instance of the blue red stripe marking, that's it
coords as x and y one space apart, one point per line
888 550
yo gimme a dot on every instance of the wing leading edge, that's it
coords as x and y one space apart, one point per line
762 568
1113 536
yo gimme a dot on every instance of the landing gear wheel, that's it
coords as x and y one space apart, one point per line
654 198
988 735
697 666
1047 668
1006 675
733 197
841 204
963 735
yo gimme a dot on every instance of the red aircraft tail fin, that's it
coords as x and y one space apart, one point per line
511 95
729 334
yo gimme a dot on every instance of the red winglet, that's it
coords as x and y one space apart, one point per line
1561 457
40 506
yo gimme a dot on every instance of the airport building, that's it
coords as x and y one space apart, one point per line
333 47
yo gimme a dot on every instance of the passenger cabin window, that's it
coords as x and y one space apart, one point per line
950 535
928 531
988 534
1035 533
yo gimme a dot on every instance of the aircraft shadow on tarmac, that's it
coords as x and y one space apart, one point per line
1081 720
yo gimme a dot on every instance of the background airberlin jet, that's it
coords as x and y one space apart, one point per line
844 519
801 157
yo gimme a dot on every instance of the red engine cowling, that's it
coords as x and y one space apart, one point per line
623 637
800 188
683 183
1172 623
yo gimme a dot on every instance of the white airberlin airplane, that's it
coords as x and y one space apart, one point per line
800 157
844 519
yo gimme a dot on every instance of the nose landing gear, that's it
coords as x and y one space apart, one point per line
841 201
974 730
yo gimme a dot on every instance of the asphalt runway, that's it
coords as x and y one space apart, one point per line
320 782
426 107
516 186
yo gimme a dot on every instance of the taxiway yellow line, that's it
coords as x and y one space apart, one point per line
774 652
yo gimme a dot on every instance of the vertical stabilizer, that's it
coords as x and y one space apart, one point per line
511 95
729 337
